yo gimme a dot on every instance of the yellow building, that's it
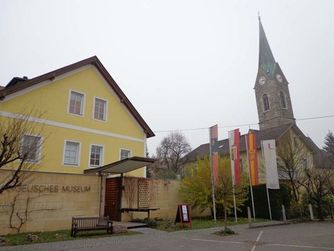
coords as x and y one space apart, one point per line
82 134
83 118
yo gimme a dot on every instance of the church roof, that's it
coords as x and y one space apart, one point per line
270 133
266 58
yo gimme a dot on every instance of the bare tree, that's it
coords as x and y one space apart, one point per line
21 208
17 150
317 187
171 150
290 157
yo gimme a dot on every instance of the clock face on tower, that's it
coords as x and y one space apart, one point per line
262 80
279 78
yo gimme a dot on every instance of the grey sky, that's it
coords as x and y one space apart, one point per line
183 64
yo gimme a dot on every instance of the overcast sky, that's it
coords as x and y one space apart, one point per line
183 64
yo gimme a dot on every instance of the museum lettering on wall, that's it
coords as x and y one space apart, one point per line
46 188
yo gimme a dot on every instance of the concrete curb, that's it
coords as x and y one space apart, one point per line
270 225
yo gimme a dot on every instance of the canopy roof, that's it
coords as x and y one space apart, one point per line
121 166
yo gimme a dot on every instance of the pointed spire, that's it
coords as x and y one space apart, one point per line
266 59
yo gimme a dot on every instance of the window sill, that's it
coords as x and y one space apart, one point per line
71 165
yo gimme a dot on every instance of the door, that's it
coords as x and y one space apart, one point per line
113 196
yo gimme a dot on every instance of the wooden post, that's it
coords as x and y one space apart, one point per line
311 211
284 214
249 217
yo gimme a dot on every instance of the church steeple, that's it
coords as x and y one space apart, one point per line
266 58
271 88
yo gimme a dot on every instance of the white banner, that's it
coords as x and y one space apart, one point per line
232 152
270 162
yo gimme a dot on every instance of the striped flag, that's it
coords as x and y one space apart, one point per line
234 142
270 163
252 158
214 152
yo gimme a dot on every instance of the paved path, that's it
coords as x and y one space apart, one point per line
306 236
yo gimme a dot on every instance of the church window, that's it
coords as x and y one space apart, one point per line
282 97
266 106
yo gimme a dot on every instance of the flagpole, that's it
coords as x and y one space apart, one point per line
233 186
269 203
234 202
249 176
212 183
269 207
235 205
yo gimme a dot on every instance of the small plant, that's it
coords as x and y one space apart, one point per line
225 232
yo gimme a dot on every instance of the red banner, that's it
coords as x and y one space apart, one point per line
234 142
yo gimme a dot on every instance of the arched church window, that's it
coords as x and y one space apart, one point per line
266 106
282 96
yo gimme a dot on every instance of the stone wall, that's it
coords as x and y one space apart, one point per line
162 194
47 201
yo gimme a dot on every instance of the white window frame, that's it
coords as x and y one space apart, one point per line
120 153
101 157
79 154
39 148
83 103
105 111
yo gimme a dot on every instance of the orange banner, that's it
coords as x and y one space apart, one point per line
252 155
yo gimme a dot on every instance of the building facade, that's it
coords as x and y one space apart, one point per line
77 123
81 117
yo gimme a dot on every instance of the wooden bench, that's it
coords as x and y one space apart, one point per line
80 224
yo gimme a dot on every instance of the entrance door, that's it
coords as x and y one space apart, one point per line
113 198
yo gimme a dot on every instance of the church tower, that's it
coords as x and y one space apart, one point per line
271 89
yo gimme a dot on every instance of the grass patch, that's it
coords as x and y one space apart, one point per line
169 226
61 235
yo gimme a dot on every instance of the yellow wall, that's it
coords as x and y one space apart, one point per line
50 101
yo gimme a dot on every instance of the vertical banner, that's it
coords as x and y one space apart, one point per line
270 163
252 158
234 142
214 152
213 131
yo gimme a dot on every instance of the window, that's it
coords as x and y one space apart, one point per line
100 106
96 155
30 148
72 151
282 97
76 103
125 154
266 106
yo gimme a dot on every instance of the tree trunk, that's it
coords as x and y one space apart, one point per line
320 211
